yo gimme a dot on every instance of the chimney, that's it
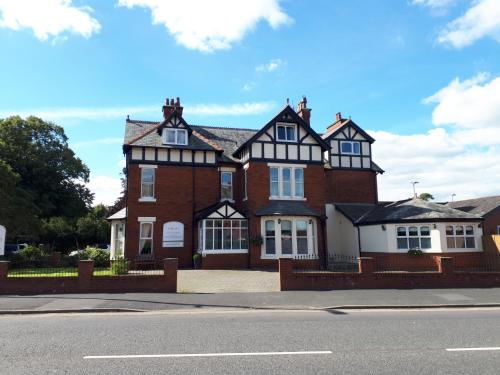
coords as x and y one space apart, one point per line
338 116
303 111
171 106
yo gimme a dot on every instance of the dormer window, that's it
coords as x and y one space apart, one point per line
174 136
286 132
350 148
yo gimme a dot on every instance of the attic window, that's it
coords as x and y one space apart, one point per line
175 136
286 132
350 148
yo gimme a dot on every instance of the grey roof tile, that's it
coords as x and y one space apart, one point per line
479 206
291 208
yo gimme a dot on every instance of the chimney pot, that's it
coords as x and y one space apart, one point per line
171 105
338 116
303 111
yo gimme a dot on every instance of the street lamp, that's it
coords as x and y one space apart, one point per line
453 196
414 192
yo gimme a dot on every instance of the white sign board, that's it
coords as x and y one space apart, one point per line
173 234
2 240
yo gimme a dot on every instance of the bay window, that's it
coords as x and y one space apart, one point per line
223 236
288 237
414 237
286 182
460 237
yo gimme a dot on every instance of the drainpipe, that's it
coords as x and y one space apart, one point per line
193 229
325 244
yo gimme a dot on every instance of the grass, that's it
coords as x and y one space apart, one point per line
54 272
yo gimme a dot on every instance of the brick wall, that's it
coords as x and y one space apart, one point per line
351 186
491 221
445 277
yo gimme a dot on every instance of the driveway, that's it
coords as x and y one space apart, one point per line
227 281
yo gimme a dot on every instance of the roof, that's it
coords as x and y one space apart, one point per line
143 133
286 110
122 214
202 214
290 208
479 206
408 210
339 125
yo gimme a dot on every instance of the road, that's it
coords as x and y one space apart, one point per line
253 342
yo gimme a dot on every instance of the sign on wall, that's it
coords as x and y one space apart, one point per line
2 240
173 234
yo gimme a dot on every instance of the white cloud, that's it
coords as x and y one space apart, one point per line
106 189
461 155
481 20
248 86
238 109
48 18
434 4
152 111
211 25
271 66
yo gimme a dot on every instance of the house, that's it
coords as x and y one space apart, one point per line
388 230
245 198
486 207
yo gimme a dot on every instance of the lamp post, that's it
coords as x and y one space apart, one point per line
414 191
453 196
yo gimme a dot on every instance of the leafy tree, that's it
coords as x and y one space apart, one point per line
40 178
94 228
48 169
426 196
121 201
60 233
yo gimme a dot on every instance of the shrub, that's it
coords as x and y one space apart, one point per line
119 267
99 256
415 252
31 256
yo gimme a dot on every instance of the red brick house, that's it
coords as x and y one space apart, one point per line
240 197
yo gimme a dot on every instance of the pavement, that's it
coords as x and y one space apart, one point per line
290 300
254 342
227 281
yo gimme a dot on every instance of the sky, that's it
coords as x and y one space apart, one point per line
421 76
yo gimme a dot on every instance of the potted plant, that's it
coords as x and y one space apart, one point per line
416 252
197 260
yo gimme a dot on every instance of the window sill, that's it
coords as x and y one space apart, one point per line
208 252
147 200
287 199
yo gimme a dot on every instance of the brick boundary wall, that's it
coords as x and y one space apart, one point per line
366 278
86 282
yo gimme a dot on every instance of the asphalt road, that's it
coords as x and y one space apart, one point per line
253 342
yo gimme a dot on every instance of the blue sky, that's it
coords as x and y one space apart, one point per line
423 76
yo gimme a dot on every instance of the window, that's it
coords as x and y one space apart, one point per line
414 237
148 183
226 185
146 238
350 147
286 182
287 236
460 237
175 136
224 235
245 176
286 133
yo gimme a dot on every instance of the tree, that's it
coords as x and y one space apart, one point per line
40 177
94 228
48 169
121 201
426 196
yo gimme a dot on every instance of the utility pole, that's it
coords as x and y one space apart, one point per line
414 191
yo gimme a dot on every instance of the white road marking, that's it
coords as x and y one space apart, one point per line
472 349
205 355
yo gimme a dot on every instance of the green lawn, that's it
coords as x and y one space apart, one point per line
53 272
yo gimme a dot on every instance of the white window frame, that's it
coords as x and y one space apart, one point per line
464 236
352 148
203 237
286 125
231 185
419 236
176 142
141 223
312 238
245 186
498 229
152 198
293 182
